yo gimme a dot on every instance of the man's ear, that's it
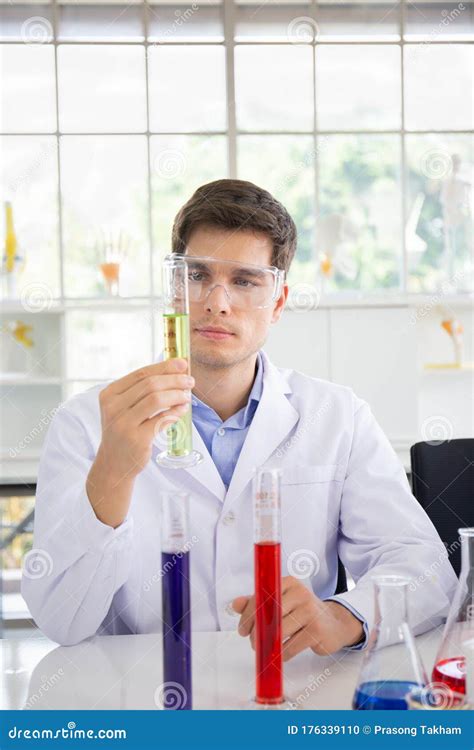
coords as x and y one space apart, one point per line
280 304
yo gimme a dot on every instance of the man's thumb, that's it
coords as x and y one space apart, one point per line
239 604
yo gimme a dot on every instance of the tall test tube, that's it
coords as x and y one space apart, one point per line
176 601
268 608
179 453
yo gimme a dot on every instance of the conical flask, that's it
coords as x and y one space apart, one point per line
391 666
450 664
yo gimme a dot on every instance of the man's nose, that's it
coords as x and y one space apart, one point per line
218 300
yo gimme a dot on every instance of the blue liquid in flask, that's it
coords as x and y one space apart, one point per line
177 692
382 695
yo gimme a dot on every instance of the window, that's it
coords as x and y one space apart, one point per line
358 117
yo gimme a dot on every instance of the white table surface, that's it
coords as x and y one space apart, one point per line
125 672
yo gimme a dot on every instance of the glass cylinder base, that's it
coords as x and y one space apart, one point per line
168 461
435 697
285 705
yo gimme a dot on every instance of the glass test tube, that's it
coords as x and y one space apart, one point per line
176 601
450 665
179 453
268 611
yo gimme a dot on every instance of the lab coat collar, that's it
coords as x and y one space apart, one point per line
272 421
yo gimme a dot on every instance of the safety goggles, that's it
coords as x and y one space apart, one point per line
246 285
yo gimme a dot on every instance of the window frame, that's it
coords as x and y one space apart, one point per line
232 132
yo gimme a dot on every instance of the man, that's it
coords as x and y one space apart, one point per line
344 491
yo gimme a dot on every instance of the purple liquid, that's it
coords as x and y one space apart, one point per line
177 693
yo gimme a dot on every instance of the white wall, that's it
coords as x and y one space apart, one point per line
381 352
448 394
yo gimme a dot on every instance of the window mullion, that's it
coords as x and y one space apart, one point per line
403 175
229 34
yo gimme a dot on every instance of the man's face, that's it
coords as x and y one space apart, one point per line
248 327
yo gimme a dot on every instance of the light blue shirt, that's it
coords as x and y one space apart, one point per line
224 440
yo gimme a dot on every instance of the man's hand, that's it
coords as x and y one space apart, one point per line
133 410
308 622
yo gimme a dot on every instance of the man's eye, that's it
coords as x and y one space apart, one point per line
195 276
246 283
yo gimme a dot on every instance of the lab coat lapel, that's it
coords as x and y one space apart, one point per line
205 473
273 420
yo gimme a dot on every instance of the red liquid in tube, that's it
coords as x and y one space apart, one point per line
268 632
452 673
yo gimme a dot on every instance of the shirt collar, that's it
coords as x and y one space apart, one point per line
244 415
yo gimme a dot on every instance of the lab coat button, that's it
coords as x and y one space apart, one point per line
229 518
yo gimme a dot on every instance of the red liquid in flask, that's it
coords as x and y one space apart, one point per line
268 623
452 673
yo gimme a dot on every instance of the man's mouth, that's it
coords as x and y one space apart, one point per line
214 332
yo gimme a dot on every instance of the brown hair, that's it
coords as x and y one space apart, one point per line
237 204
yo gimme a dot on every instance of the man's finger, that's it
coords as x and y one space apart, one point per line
153 426
298 642
252 637
247 618
167 367
152 384
293 622
290 600
239 604
288 583
155 404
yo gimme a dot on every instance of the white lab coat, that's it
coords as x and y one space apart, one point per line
344 492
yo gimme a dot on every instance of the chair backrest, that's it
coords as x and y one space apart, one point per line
443 484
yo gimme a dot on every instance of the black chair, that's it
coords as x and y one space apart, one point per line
443 484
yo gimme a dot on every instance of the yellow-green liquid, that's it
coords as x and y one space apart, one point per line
176 341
